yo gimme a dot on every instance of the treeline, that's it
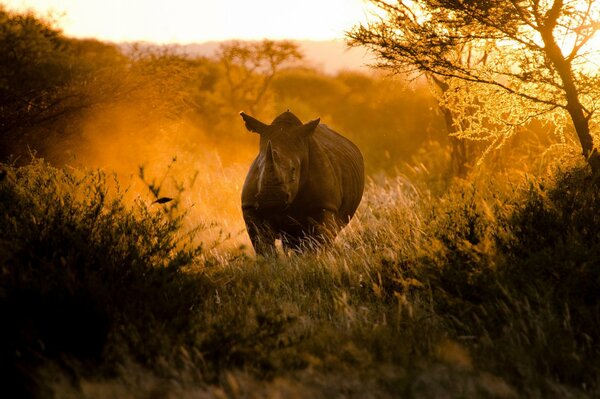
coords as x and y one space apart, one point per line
59 95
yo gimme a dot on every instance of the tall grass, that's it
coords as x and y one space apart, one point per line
482 291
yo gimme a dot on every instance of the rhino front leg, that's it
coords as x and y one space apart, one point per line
261 235
292 242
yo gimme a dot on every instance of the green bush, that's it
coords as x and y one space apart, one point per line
518 275
551 260
78 267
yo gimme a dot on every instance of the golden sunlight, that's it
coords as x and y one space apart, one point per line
353 231
570 37
185 21
589 62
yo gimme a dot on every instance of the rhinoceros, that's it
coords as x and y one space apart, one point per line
303 187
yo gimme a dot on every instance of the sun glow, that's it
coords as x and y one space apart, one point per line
588 60
573 35
185 21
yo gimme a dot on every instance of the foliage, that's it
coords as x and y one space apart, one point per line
96 102
519 272
89 283
554 244
71 257
47 79
250 67
494 290
52 86
496 52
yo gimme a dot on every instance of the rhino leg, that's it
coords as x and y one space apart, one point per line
261 235
292 242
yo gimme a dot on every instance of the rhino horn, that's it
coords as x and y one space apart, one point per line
269 154
270 174
253 124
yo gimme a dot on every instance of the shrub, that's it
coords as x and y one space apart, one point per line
521 278
551 267
80 268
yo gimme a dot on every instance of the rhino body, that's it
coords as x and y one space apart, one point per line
303 187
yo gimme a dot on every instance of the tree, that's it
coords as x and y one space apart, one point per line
52 87
506 62
251 66
33 64
458 155
46 78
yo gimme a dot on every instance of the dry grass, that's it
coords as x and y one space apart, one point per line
421 296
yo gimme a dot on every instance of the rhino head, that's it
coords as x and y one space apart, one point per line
283 158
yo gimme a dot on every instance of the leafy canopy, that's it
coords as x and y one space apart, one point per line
504 62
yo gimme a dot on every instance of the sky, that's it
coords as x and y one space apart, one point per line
187 21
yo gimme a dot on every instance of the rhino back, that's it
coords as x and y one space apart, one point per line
338 165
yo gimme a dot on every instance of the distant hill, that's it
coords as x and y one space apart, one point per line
328 56
333 56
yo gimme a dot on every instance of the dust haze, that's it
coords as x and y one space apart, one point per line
163 120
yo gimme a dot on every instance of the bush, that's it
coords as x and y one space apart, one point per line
518 275
90 283
82 271
551 259
475 291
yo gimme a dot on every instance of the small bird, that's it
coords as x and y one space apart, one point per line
163 200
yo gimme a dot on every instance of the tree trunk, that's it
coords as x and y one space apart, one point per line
458 154
574 107
582 127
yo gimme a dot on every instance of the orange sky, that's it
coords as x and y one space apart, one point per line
184 21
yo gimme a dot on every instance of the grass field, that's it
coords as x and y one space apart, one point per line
485 290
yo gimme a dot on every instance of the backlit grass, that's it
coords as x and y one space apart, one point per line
477 292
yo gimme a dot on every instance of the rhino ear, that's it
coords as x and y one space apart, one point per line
309 127
252 124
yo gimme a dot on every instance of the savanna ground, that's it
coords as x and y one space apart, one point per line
486 285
